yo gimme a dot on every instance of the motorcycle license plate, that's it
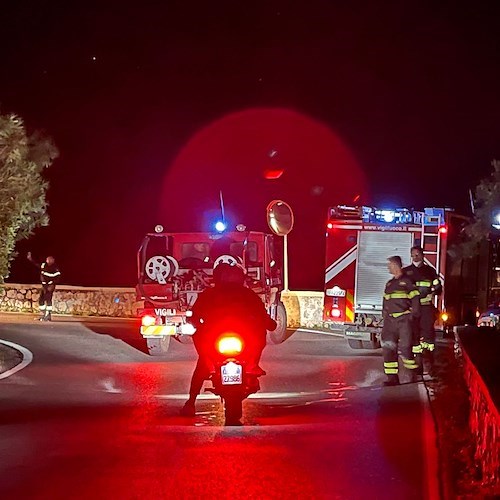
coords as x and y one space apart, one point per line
231 373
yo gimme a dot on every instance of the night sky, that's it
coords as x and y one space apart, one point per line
155 107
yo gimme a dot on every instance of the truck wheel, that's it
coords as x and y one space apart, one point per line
355 344
279 335
158 346
184 339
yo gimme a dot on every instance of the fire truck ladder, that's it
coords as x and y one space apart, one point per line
431 243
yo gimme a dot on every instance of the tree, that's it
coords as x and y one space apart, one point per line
23 205
486 206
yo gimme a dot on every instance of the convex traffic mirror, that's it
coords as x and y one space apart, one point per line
279 217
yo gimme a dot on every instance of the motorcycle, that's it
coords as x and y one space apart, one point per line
230 376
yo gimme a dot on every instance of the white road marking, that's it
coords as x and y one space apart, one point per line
27 358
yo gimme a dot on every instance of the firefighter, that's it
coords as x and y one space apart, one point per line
400 305
49 277
228 301
426 280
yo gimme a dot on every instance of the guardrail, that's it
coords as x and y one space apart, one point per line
484 416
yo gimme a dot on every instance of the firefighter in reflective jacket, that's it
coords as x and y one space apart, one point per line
401 304
426 280
49 277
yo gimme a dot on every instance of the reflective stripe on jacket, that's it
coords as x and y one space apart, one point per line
401 297
49 274
426 280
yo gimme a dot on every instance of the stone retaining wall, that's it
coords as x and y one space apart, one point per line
71 300
303 308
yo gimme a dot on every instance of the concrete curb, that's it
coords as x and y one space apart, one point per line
13 357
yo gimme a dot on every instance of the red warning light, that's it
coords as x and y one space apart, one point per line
272 174
443 229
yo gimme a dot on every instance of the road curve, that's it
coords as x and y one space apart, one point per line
93 416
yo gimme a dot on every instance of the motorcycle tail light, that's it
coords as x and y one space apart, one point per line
230 345
148 320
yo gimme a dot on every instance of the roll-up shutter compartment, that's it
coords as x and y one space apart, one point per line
371 274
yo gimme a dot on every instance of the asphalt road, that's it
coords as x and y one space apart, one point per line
94 416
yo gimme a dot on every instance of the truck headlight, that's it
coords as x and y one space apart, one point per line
148 320
187 329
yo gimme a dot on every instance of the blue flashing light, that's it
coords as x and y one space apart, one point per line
391 216
220 226
398 215
388 215
496 220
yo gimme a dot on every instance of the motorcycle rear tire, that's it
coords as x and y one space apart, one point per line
233 410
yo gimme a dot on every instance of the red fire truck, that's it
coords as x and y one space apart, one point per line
358 242
173 268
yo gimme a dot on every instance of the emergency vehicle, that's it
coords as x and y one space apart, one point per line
490 317
173 268
359 239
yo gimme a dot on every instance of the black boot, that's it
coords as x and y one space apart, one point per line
188 410
46 317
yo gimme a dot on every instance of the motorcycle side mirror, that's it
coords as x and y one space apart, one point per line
279 217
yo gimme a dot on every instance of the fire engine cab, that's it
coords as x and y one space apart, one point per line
173 268
359 239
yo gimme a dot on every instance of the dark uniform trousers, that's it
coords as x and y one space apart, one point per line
427 331
424 336
397 332
49 276
427 282
423 328
45 300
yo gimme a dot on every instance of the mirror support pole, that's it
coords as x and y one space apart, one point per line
285 263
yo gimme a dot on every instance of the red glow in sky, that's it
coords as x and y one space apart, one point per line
232 154
255 156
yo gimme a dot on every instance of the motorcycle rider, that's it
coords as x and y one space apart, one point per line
228 302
